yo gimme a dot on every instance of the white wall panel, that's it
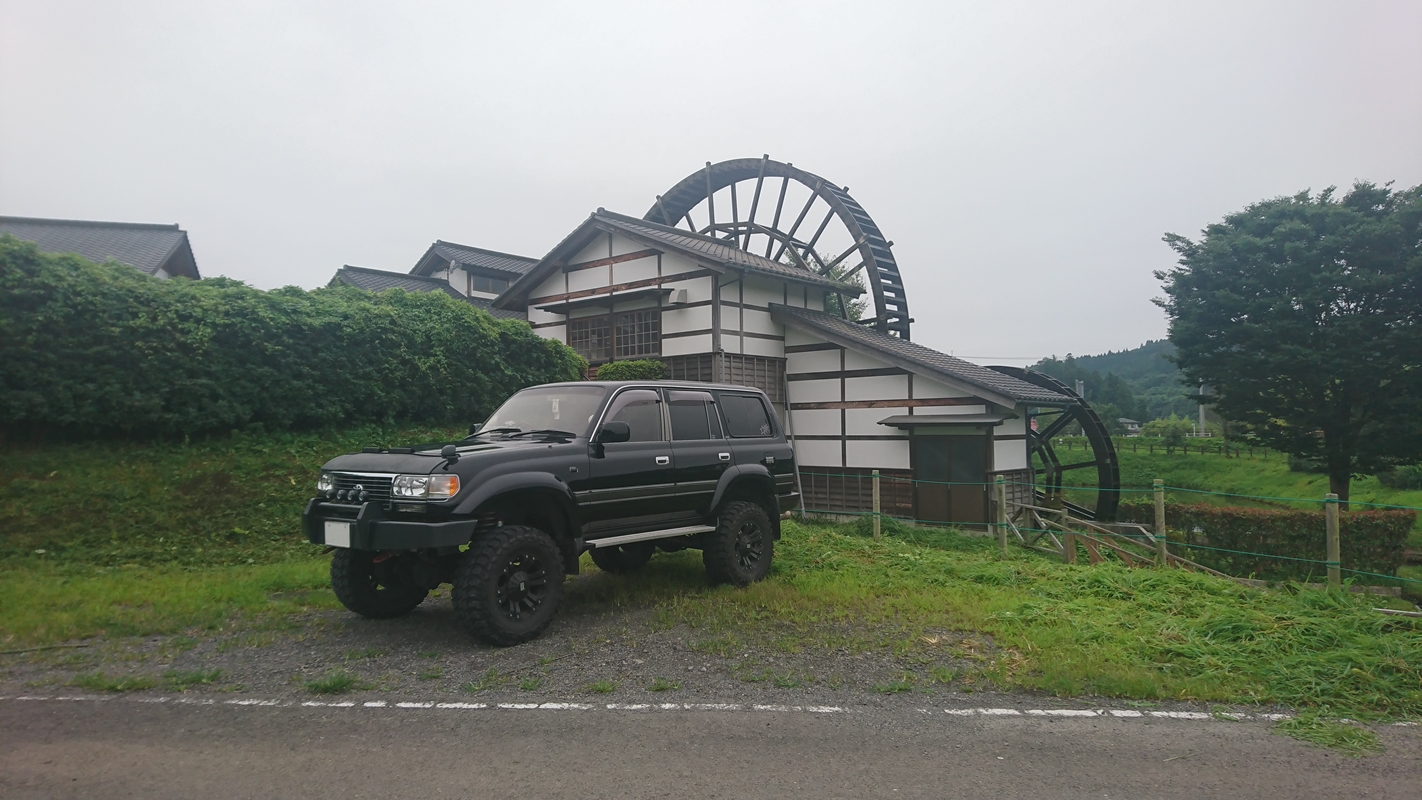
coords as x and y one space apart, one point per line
797 336
757 321
817 454
817 422
596 250
879 387
579 280
856 360
927 387
769 348
865 421
878 455
554 332
685 319
536 316
1014 427
1011 454
761 292
812 361
553 285
686 345
639 270
621 244
814 391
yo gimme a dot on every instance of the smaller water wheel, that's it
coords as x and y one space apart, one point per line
1045 424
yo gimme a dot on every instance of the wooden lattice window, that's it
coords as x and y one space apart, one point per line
639 333
589 336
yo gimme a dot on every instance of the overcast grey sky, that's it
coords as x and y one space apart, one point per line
1025 157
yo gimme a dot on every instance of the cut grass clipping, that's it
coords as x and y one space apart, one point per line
1346 737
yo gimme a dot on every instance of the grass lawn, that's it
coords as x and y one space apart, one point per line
1067 630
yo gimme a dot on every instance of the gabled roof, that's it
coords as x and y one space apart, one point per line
377 280
1004 390
146 246
705 249
442 254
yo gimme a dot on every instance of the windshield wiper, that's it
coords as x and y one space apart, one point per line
550 432
483 431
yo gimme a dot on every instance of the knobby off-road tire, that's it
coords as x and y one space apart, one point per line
740 549
508 586
623 558
375 591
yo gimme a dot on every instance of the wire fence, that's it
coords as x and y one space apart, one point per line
1139 538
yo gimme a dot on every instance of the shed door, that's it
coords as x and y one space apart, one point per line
952 471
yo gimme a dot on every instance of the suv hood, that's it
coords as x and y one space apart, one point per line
426 458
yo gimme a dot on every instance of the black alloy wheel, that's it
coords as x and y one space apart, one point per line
374 585
623 558
739 552
508 586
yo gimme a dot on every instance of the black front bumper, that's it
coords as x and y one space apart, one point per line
371 530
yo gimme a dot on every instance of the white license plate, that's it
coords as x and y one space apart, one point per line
338 534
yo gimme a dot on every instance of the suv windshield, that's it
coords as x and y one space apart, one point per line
567 408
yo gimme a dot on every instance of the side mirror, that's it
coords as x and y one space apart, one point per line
449 452
473 429
614 432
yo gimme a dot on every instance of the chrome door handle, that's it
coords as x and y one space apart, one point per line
662 461
724 456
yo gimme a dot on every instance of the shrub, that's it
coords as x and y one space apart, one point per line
1370 541
1402 477
1172 430
640 370
102 349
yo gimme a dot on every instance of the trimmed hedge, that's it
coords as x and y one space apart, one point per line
1371 541
639 370
93 350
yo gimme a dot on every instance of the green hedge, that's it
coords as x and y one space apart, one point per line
638 370
1371 541
102 349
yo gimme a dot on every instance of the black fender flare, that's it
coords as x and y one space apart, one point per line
514 481
745 472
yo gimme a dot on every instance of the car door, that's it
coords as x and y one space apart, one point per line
699 450
754 439
635 478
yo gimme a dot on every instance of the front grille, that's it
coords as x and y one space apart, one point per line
377 486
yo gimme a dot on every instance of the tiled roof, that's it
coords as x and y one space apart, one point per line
912 355
376 280
145 246
479 257
717 250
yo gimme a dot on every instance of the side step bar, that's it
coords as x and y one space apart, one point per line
669 533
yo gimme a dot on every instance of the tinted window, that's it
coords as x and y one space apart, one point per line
563 408
641 409
693 416
745 415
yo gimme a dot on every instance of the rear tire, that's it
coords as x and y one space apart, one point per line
623 558
508 586
740 550
374 591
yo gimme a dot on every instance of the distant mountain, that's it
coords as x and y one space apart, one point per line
1153 382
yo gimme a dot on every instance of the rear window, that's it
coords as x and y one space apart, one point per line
693 416
745 415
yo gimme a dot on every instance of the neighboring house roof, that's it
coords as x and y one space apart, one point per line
704 249
442 255
1002 389
376 280
146 246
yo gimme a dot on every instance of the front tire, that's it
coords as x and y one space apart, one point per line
374 591
623 558
508 586
740 550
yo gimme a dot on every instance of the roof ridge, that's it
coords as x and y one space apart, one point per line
487 251
97 223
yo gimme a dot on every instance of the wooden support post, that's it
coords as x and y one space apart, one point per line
876 505
1000 498
1068 539
1162 555
1330 515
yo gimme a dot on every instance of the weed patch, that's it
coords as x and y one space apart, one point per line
663 685
181 680
99 682
602 687
337 681
491 679
1352 739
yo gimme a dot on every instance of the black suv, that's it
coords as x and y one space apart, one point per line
617 468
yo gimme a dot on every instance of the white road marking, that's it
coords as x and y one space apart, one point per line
1119 713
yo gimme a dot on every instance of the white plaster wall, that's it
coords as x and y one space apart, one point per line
880 387
769 348
557 333
1011 454
820 391
865 421
857 360
1014 427
621 244
594 278
553 285
819 422
927 387
677 264
757 321
812 361
639 270
817 453
596 250
536 316
686 345
797 336
880 455
676 319
761 292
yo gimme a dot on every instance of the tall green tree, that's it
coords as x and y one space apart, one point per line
1305 315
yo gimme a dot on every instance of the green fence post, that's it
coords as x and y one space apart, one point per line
1000 495
876 504
1162 554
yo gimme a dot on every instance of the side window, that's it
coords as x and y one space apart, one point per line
693 416
641 409
745 415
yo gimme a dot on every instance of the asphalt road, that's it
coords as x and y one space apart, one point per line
122 748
